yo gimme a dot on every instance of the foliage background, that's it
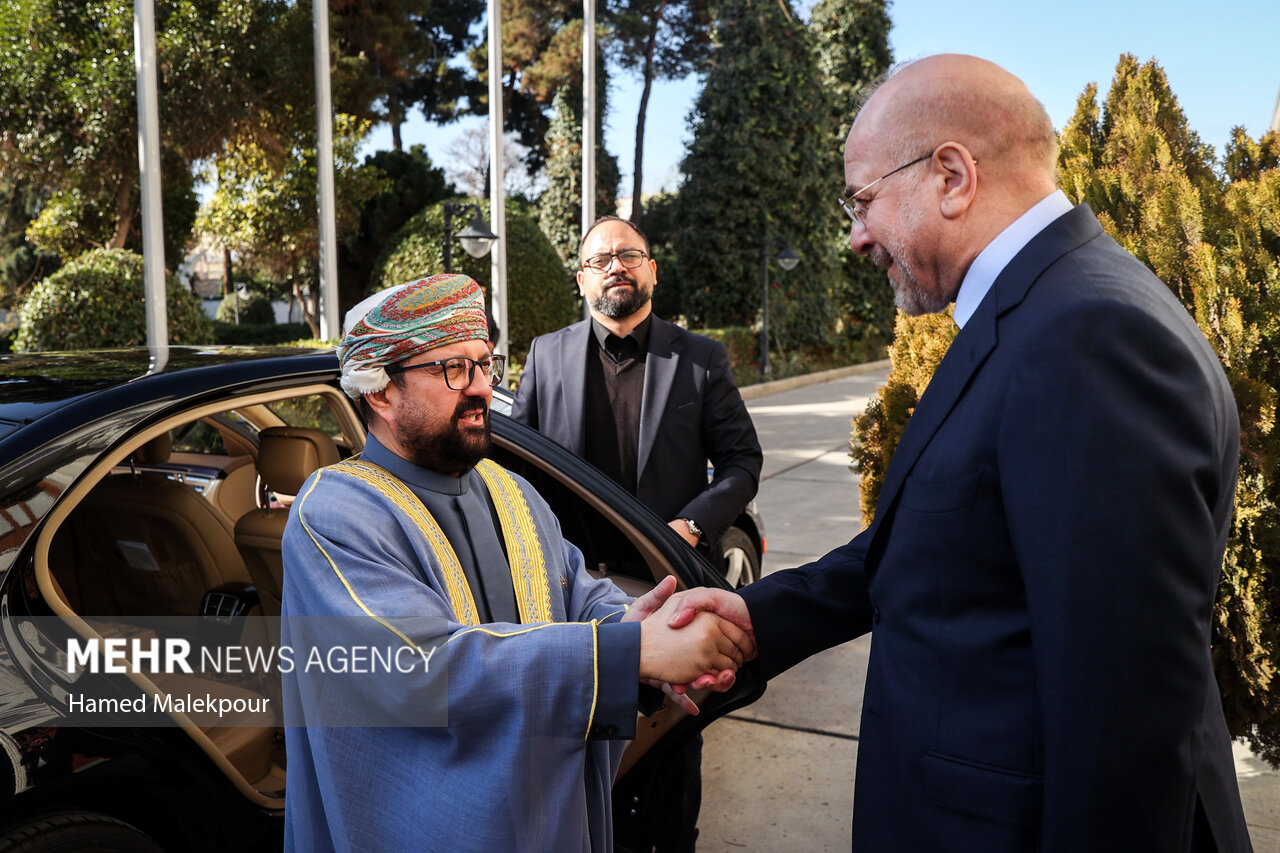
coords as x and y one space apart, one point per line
97 301
760 163
541 293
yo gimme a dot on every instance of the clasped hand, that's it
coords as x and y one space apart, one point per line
691 640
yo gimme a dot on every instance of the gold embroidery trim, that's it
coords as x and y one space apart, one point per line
460 598
302 519
524 550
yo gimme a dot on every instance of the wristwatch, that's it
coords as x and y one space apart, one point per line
694 529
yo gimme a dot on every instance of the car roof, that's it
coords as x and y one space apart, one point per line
38 389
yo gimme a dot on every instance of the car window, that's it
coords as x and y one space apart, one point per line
313 411
206 435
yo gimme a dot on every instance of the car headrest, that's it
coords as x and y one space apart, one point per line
154 452
287 456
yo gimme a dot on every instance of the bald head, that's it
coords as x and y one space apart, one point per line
953 97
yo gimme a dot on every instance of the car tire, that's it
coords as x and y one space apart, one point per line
76 832
741 559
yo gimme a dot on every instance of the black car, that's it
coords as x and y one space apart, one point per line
123 476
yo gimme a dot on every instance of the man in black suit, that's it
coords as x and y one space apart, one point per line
649 403
1041 570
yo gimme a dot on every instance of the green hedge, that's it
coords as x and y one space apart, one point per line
541 295
97 301
255 309
259 333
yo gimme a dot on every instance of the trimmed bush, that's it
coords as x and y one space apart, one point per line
255 309
97 301
259 334
541 293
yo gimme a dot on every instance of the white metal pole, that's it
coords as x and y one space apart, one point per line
588 122
497 182
144 48
329 327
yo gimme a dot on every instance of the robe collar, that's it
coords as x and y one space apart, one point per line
413 475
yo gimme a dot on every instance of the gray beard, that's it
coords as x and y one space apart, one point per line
912 299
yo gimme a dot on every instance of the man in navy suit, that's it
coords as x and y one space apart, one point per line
649 403
1041 570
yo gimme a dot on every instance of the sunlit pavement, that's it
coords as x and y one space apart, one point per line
778 775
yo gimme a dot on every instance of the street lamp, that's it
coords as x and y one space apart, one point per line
476 238
787 259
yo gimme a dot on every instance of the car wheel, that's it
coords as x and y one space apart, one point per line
76 832
741 559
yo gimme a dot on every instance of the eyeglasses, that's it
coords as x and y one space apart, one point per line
850 202
459 372
629 258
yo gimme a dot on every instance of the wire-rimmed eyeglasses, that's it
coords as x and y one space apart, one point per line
459 372
629 258
850 202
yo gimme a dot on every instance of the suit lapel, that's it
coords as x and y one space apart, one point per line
659 374
572 361
976 341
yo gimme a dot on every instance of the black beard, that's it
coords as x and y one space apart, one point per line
617 304
451 452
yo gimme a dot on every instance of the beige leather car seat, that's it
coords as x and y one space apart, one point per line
287 456
146 545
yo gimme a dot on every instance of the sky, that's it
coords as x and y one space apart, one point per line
1221 59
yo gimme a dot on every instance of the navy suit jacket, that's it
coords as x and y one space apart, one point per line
1040 577
691 413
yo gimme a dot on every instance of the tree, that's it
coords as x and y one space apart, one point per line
98 300
268 214
853 49
560 207
665 39
394 56
21 265
68 115
541 299
760 164
1216 243
469 154
411 183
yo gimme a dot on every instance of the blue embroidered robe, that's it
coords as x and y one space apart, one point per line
535 712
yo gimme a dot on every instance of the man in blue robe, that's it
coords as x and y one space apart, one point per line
508 732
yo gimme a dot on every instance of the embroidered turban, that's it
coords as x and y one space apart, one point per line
398 323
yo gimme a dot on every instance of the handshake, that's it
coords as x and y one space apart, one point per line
691 640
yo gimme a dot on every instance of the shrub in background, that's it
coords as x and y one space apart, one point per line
541 294
254 309
265 334
97 301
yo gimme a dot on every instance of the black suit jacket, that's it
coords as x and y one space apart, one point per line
1040 577
691 413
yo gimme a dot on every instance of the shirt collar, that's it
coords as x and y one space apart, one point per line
992 260
640 334
413 475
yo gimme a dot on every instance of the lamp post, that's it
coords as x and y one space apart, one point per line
787 259
476 238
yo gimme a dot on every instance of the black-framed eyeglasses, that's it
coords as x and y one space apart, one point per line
856 207
459 372
629 258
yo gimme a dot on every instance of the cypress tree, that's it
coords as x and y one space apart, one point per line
852 50
560 206
760 164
